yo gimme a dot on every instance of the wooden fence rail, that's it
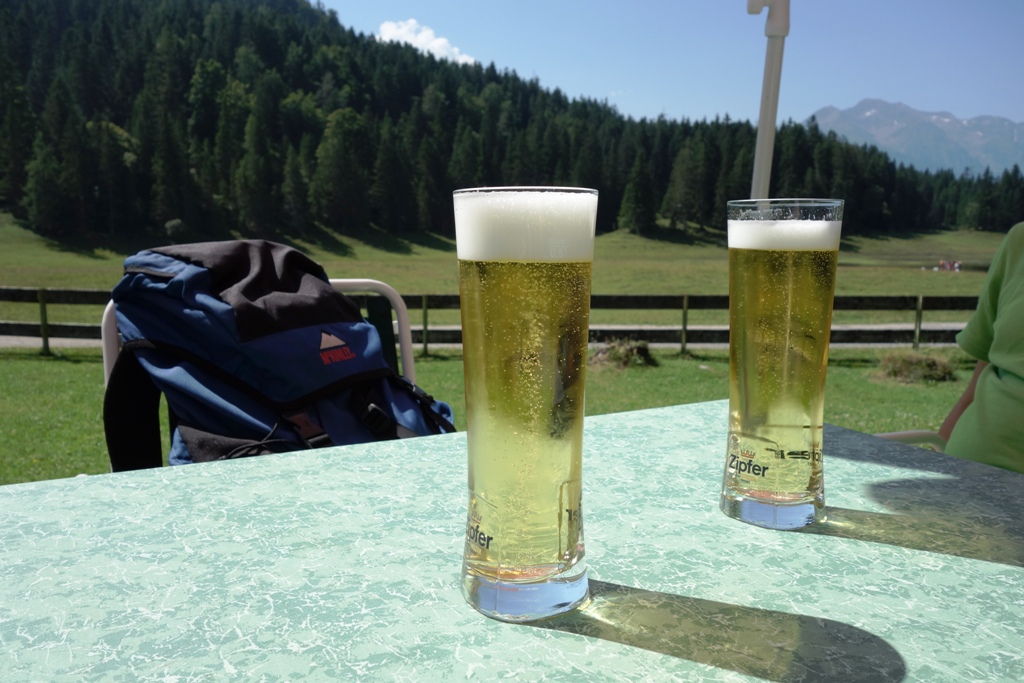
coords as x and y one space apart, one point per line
682 334
686 333
44 329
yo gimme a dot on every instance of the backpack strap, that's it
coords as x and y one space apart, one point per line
439 424
378 314
131 416
311 433
367 402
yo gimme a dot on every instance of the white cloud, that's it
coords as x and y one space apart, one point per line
422 37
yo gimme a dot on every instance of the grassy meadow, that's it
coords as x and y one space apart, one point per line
666 262
51 407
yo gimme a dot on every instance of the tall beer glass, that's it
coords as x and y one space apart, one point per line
524 282
782 274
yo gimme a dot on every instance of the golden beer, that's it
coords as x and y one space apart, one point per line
781 285
524 283
525 367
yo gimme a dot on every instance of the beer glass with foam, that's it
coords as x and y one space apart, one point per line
782 274
524 283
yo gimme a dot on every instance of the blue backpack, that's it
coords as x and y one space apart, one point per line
255 353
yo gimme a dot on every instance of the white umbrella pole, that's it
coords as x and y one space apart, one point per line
776 28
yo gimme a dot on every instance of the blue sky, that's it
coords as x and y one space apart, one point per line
697 59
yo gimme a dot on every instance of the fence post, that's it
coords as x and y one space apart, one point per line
917 321
686 311
44 327
426 350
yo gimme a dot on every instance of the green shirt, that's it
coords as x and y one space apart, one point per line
991 429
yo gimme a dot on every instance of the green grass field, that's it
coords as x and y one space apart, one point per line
51 408
624 263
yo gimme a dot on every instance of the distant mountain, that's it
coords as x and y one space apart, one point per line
929 140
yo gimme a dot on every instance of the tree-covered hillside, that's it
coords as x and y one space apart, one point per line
191 118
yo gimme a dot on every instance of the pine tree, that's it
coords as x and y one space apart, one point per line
45 203
254 187
392 197
17 131
258 176
339 188
466 168
1010 198
233 114
116 199
433 214
682 198
60 175
637 212
709 161
171 195
208 80
295 195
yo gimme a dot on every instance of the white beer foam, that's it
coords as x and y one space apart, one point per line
792 235
514 224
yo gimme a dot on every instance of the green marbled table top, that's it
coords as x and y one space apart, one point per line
343 564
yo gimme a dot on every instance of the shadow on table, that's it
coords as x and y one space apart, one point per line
775 646
974 511
953 527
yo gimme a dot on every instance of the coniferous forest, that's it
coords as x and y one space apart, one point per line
194 119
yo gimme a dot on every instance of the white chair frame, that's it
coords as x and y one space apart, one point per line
404 331
112 342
